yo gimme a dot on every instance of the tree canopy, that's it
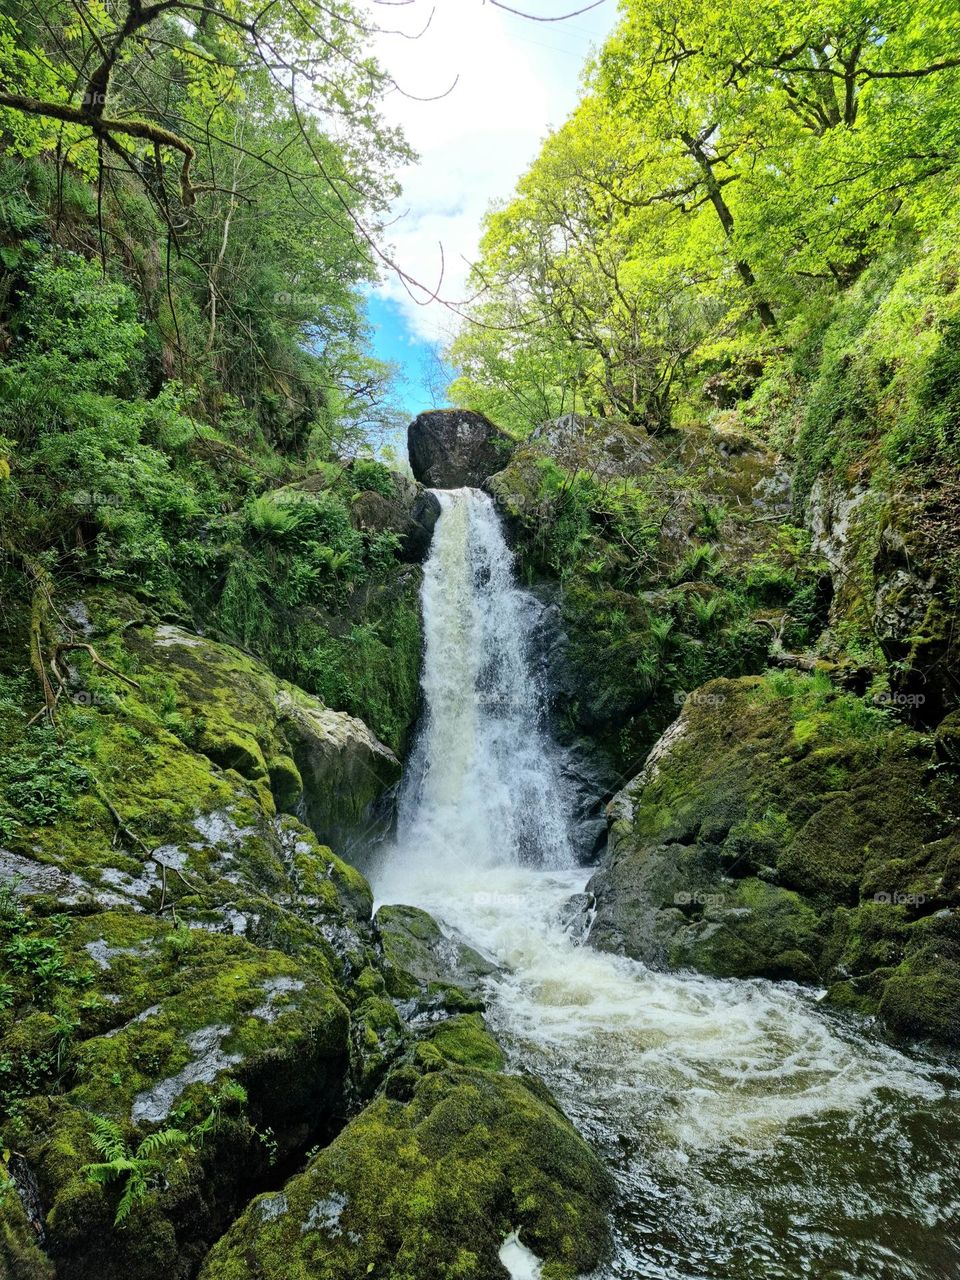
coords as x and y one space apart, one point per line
727 163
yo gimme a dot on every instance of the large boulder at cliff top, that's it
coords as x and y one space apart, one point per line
782 829
452 448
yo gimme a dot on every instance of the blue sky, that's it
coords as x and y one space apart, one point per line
476 93
423 373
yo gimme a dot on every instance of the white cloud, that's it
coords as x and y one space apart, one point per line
516 80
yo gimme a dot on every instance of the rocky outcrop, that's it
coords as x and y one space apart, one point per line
451 1157
429 1181
674 562
194 995
783 829
688 468
410 514
889 553
305 757
418 955
452 448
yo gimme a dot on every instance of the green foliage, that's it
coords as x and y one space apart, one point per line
145 1166
40 780
367 473
936 427
712 191
37 1018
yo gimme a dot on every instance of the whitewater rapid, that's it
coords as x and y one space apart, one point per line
752 1132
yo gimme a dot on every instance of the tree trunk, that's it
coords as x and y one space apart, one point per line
715 193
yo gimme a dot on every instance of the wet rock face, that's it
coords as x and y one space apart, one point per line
453 448
417 954
892 581
588 775
785 830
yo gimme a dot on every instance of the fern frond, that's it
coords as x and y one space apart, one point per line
233 1091
134 1193
104 1173
164 1140
107 1139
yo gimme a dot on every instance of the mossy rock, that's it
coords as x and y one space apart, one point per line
377 1038
162 1018
417 955
431 1186
784 829
283 740
463 1040
754 928
21 1257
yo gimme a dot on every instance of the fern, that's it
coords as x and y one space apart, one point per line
161 1142
143 1168
707 609
273 518
107 1139
134 1193
699 562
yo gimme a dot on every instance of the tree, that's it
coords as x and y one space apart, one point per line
587 295
806 127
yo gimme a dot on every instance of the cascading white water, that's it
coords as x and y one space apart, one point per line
753 1133
482 787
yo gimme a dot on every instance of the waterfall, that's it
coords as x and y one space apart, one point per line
752 1131
482 786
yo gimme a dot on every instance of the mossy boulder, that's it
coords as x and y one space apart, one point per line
285 742
410 514
144 1024
169 943
427 1182
782 828
418 955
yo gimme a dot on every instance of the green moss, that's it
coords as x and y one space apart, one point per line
20 1256
377 1038
759 929
790 830
463 1040
924 1003
418 958
430 1187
